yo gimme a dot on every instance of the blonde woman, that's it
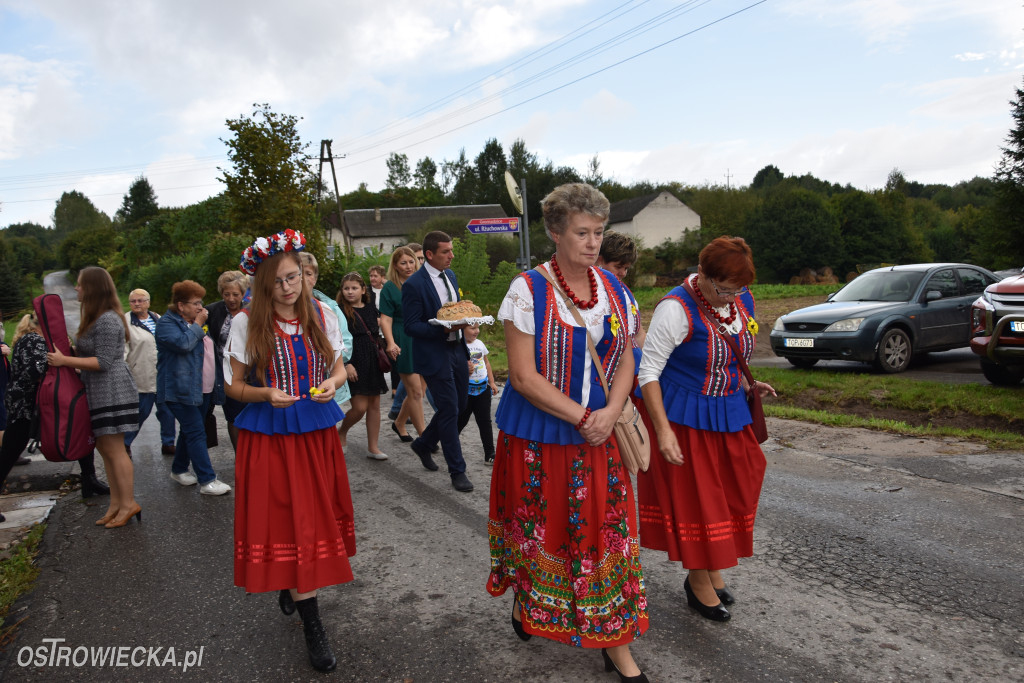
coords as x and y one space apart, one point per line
400 345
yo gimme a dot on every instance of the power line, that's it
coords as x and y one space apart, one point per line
565 85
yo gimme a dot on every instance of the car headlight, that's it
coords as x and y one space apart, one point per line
779 325
848 325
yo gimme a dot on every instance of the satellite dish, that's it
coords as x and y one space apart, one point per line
513 192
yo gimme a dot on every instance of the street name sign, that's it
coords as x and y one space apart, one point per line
482 226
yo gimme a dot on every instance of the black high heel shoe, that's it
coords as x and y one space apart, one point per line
517 624
725 595
713 612
609 665
284 600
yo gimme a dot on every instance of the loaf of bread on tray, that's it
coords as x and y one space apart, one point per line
457 310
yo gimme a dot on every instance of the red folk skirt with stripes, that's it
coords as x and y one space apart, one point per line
702 512
293 512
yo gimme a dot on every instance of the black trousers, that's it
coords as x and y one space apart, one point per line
16 438
479 406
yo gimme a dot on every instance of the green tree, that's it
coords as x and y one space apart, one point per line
866 229
269 186
12 295
91 247
490 174
1002 243
767 178
138 205
74 211
792 230
399 176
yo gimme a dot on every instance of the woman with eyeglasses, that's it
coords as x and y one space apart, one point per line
699 499
185 378
294 527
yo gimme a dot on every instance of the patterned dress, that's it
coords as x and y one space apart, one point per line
294 524
562 522
702 512
113 397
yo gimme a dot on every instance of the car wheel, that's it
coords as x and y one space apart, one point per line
1000 375
894 351
804 363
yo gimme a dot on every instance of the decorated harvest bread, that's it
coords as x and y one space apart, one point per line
457 310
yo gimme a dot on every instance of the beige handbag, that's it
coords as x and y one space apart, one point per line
630 431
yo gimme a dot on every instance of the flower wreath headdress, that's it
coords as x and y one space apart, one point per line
265 247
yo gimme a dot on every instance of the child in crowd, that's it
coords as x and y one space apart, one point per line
481 388
377 277
365 378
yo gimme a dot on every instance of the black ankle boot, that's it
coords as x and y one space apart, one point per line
320 655
284 599
91 486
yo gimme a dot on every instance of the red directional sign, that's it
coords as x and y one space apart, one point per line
483 226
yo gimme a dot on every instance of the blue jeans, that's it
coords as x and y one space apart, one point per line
192 440
400 394
163 416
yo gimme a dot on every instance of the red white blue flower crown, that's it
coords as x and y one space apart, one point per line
265 247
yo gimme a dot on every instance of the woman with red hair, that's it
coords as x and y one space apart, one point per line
699 499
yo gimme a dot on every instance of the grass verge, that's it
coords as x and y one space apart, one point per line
17 575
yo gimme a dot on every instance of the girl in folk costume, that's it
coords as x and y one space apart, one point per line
562 521
294 528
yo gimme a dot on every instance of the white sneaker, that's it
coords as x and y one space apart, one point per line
377 456
186 478
215 488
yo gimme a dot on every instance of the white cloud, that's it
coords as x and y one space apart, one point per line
40 108
972 56
889 21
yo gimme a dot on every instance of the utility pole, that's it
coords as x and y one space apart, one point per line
727 177
326 157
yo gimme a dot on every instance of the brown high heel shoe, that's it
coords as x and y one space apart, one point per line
111 514
115 523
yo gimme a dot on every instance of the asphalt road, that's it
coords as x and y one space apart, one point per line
877 557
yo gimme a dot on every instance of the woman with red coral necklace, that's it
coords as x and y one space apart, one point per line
698 501
562 512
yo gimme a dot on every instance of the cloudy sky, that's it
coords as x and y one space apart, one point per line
94 93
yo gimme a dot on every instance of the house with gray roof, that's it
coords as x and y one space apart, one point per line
386 229
653 218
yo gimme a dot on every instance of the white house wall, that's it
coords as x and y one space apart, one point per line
665 218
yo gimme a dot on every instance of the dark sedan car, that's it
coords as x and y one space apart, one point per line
885 316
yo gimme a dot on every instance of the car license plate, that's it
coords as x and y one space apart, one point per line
798 343
1016 326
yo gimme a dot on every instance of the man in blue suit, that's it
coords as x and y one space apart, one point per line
440 355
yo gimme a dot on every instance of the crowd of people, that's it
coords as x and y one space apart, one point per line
284 359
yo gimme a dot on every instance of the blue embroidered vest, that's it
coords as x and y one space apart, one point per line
700 383
560 350
295 367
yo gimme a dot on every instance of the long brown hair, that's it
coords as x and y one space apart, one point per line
260 344
99 295
348 308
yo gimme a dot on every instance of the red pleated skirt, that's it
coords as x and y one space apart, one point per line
702 512
562 533
293 512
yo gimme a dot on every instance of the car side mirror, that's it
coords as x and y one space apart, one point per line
932 295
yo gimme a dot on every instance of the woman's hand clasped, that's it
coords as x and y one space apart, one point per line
55 358
324 392
280 399
598 427
394 350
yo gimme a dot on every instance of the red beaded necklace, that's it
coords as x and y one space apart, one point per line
711 309
585 305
